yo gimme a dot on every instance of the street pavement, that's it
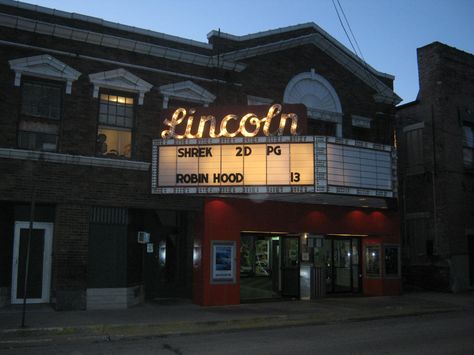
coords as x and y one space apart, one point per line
179 317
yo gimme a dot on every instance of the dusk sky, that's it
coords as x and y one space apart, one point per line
387 31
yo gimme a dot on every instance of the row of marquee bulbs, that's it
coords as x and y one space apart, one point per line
179 117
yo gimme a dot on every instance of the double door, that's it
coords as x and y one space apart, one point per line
269 266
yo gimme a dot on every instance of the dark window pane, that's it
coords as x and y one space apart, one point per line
391 261
120 110
41 100
103 108
372 261
35 265
37 141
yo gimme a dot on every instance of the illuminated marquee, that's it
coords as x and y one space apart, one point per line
238 166
279 164
257 149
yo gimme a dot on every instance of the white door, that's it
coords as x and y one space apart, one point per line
39 269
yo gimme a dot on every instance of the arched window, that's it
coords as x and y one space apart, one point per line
320 98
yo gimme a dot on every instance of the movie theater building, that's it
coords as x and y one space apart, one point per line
136 165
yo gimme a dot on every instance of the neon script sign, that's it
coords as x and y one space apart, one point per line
249 125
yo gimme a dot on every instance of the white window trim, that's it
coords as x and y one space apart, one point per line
44 66
334 116
120 79
186 91
413 127
257 100
361 121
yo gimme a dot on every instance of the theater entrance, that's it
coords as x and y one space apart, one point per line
343 270
269 266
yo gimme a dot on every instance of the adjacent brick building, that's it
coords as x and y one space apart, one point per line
436 171
82 99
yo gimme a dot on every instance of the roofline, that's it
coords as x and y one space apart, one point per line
311 25
384 92
408 104
161 35
105 23
115 42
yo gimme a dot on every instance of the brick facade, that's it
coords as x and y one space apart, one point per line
74 179
441 193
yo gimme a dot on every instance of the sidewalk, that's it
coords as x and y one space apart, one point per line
153 319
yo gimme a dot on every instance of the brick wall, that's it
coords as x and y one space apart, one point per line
75 189
446 88
70 256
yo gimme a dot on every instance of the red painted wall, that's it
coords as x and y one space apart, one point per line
225 219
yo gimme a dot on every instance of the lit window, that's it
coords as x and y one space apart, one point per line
372 260
114 136
391 260
40 112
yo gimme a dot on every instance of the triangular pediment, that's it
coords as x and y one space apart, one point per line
320 39
120 79
44 66
187 91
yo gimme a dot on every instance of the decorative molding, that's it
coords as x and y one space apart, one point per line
105 23
335 50
414 126
44 66
120 79
318 95
323 115
314 91
257 100
186 91
308 25
228 61
113 62
361 121
116 42
22 154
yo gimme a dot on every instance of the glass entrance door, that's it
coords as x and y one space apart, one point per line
39 266
259 266
290 268
342 265
269 266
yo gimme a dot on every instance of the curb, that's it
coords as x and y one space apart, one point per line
13 338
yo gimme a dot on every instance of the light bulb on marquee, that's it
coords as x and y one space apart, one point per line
180 115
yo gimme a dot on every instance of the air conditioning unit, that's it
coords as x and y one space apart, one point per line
143 237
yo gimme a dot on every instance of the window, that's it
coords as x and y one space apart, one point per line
392 261
321 100
41 100
413 148
40 115
114 136
372 260
361 128
468 145
321 128
418 237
